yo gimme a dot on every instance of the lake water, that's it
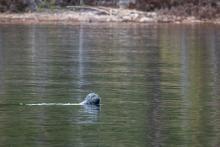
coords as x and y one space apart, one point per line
159 84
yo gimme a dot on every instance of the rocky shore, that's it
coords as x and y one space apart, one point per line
76 14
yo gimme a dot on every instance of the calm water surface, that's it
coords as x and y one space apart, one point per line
160 85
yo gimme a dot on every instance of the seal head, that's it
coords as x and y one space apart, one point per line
91 99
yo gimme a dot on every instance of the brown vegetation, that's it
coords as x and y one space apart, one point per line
198 8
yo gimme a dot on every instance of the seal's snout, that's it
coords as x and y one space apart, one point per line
91 99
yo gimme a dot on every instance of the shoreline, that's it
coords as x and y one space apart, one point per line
74 15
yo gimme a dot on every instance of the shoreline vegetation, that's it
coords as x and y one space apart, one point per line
34 13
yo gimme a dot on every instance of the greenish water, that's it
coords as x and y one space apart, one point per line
159 85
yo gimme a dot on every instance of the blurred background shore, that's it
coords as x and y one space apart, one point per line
139 11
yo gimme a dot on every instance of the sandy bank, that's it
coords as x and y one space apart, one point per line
73 15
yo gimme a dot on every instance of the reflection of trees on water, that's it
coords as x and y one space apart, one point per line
160 86
184 113
44 63
39 67
213 41
1 64
168 112
196 60
153 87
200 86
16 82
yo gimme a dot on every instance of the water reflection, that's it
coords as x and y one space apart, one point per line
88 114
159 84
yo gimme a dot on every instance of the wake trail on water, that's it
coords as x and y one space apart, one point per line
53 104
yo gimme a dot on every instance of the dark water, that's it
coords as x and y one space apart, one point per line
160 85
